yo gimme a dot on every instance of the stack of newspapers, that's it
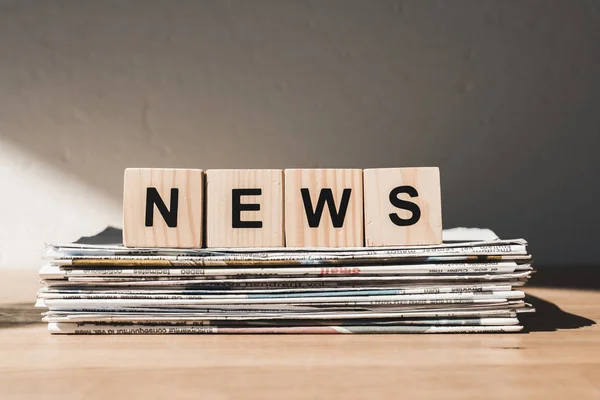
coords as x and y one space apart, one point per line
464 285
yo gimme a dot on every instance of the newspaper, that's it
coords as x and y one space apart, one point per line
332 317
122 256
57 250
56 272
92 329
208 294
199 300
465 287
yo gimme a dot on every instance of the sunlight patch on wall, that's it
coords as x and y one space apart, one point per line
41 203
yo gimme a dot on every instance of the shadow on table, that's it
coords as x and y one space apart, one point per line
549 317
19 314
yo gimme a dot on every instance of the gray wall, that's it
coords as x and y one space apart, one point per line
503 96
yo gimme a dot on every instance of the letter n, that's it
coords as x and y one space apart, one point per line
168 214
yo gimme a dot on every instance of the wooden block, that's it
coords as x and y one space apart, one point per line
163 207
244 208
403 206
323 208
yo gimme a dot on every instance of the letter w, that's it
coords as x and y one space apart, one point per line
326 196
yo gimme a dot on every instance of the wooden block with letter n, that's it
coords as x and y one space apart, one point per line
403 206
324 208
244 208
163 207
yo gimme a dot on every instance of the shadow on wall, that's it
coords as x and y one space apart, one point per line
110 235
572 277
498 95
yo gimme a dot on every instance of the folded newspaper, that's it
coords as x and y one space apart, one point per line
468 284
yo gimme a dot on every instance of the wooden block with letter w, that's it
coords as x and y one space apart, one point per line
403 206
323 208
163 207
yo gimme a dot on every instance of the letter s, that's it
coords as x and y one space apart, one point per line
405 205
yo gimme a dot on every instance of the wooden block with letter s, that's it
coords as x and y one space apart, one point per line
324 208
403 206
163 207
244 208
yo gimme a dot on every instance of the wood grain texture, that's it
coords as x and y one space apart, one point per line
219 216
188 232
538 365
298 233
379 228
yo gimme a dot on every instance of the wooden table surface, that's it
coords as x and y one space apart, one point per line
558 358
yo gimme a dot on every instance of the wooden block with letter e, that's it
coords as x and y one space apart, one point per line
323 208
403 206
163 207
244 208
